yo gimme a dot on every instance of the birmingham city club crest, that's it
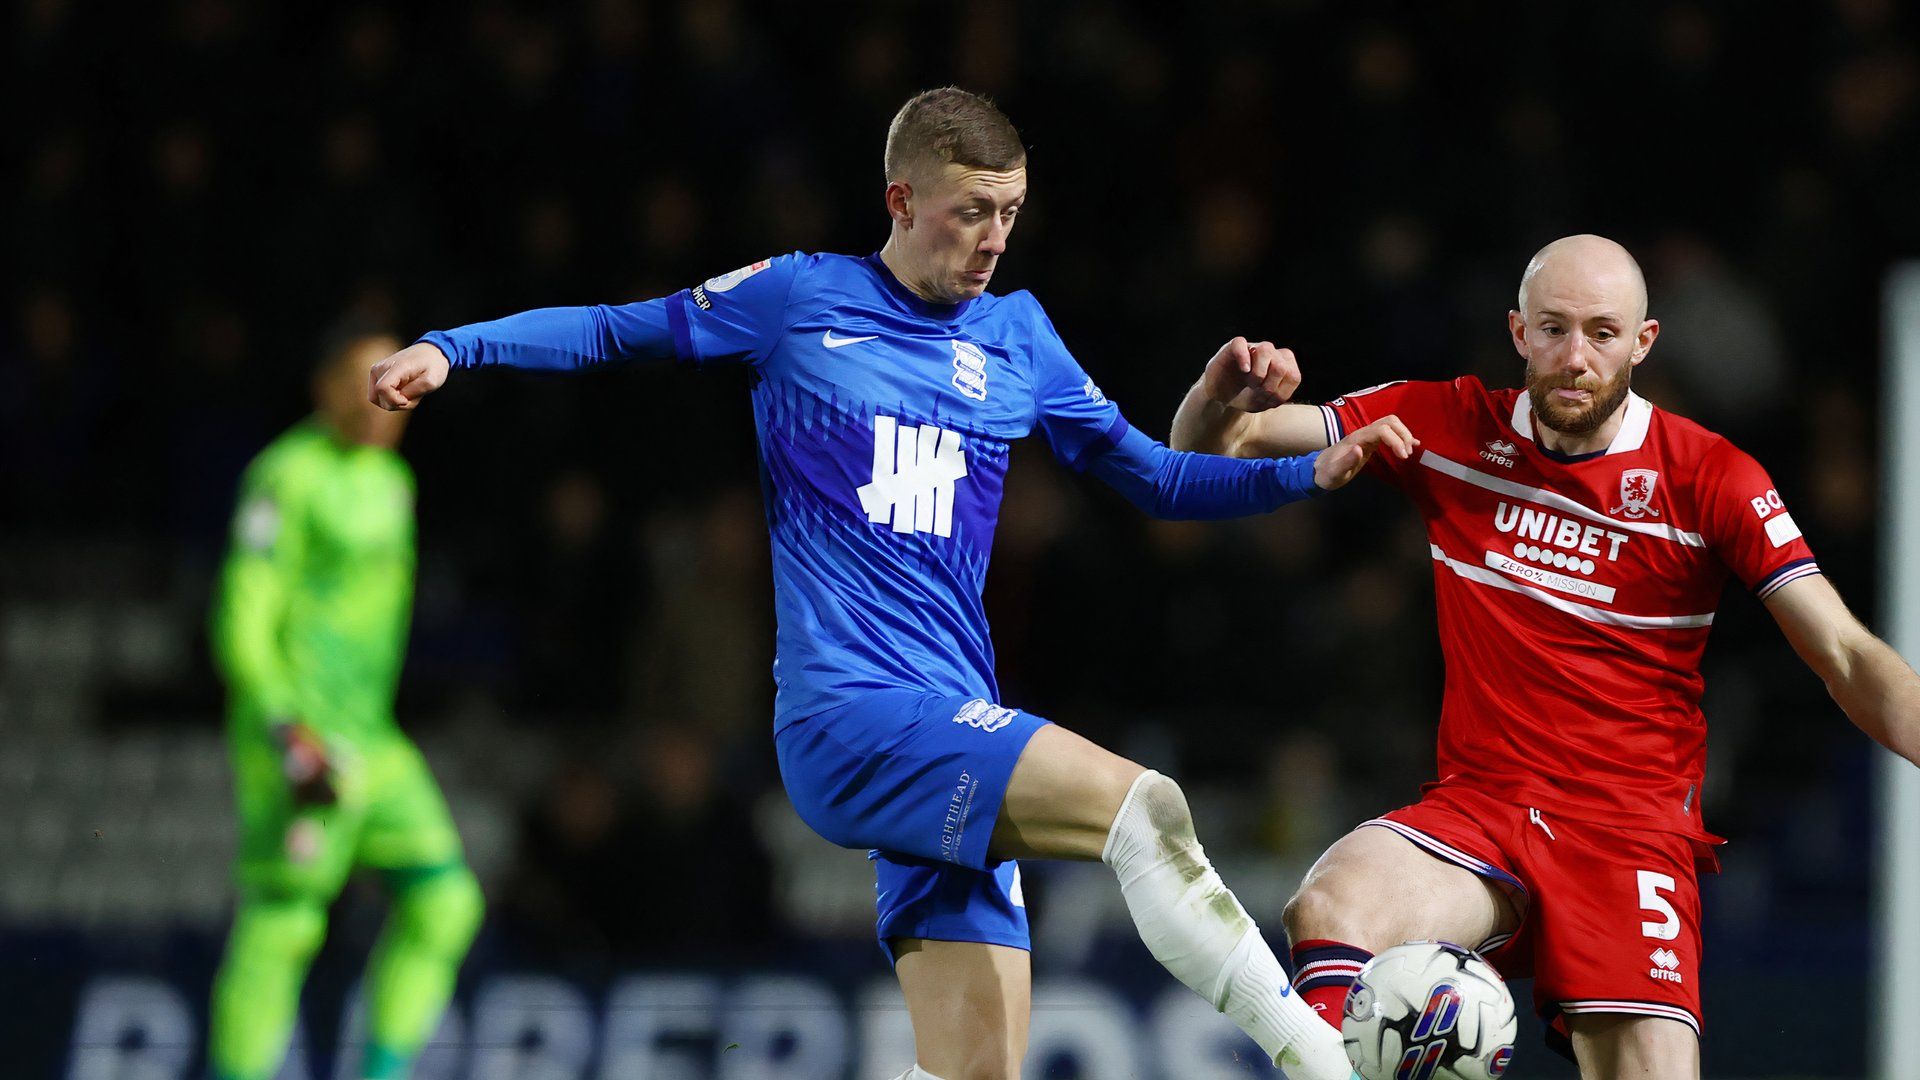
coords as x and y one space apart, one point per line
1636 491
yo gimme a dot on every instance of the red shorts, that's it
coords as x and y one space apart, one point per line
1609 917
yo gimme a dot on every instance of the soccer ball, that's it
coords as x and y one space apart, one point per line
1428 1010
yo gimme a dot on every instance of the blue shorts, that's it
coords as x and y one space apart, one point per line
918 778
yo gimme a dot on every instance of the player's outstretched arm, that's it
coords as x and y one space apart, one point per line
1181 485
544 339
1240 406
401 380
1876 688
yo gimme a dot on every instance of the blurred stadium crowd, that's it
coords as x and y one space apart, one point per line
204 185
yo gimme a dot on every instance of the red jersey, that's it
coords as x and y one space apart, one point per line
1575 593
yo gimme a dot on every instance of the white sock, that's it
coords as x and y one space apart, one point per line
916 1073
1196 928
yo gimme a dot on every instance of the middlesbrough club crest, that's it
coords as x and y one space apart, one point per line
1636 491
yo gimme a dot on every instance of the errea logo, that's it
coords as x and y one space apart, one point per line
1665 966
1500 452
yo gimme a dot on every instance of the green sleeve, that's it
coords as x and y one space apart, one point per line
256 591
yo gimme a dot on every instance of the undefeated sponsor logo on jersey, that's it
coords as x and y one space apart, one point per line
970 370
914 472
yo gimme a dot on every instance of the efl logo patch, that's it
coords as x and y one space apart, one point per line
734 277
1342 399
984 715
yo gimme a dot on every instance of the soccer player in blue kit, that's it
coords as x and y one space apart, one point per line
888 389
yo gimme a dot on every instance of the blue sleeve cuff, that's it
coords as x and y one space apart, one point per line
1297 475
1101 443
443 341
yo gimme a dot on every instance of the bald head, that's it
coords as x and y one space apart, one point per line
1582 327
1589 268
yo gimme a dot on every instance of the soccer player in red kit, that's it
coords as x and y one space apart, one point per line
1580 540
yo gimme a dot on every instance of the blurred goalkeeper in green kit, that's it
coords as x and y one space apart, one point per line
309 630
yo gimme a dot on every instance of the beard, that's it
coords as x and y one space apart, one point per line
1577 419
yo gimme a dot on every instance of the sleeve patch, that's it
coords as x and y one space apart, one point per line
258 525
1342 399
1782 530
734 277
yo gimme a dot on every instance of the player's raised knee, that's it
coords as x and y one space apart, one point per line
1319 911
1166 806
1155 815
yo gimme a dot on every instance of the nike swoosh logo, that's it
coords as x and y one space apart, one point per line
832 342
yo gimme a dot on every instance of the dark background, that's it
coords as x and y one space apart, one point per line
200 188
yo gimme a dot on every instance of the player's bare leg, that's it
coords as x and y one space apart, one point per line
1610 1046
1071 799
969 1003
1062 799
1372 890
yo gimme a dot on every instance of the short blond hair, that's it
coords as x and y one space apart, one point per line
951 126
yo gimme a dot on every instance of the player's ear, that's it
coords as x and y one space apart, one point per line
1517 327
900 203
1643 341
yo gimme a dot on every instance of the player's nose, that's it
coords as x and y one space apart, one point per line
995 242
1579 354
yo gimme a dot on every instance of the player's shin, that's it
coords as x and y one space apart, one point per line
1323 972
411 975
1197 929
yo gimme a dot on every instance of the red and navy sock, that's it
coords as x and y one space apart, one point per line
1323 971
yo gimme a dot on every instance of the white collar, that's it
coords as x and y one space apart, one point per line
1631 436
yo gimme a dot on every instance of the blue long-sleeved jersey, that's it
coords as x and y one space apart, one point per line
884 423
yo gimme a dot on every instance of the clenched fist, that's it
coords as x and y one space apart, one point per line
401 380
1252 376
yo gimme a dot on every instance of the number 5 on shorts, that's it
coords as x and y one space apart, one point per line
1651 886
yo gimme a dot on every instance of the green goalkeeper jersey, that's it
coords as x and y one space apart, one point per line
315 597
